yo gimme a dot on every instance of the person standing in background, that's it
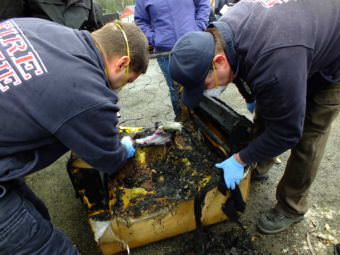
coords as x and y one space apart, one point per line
163 22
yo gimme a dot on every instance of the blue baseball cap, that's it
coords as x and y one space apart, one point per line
189 64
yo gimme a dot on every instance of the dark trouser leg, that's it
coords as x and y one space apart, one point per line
262 167
163 63
24 231
21 186
304 161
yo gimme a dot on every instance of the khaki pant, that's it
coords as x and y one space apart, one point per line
321 109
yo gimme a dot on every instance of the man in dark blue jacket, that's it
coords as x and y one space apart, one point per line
288 52
57 93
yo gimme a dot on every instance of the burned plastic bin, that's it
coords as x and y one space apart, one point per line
165 190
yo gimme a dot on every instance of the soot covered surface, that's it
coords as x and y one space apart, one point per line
172 173
233 242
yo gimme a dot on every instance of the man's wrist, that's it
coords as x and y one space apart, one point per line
238 159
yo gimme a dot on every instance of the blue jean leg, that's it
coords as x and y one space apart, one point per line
163 63
24 231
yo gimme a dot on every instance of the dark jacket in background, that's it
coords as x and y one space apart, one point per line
79 14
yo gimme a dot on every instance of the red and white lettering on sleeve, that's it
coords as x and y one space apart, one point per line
19 61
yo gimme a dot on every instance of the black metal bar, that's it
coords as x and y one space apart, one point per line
210 133
159 54
236 128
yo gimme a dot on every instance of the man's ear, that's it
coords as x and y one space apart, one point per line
220 60
122 63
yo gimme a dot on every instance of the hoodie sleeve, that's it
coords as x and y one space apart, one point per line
143 20
202 13
93 135
280 85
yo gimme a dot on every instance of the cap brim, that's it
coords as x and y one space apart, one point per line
191 96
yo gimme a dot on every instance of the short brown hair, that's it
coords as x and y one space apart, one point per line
111 41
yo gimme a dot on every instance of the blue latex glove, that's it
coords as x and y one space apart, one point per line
232 172
127 142
251 107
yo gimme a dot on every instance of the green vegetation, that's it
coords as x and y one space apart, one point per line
110 6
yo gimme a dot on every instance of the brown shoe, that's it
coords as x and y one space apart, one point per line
272 222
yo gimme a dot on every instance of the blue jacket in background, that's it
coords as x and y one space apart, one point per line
54 97
164 21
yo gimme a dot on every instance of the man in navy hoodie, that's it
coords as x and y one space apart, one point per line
288 53
57 93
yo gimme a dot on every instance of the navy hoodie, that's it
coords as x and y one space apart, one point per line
279 45
54 97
